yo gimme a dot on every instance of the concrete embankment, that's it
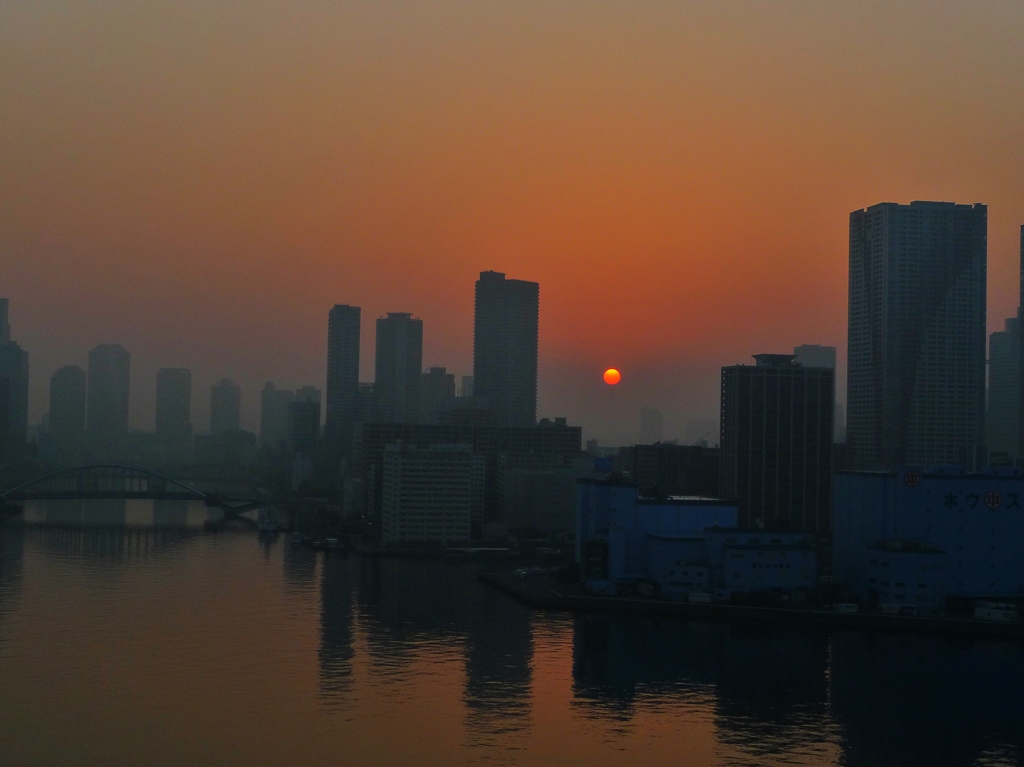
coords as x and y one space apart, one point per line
547 594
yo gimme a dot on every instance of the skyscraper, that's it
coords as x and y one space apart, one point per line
1002 420
225 407
274 414
174 404
916 364
13 392
505 332
107 406
399 361
342 397
5 325
651 422
67 411
776 443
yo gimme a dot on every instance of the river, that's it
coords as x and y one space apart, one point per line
147 641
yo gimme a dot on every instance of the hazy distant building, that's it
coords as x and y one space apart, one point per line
467 387
1004 390
67 412
274 414
303 425
108 396
701 431
225 407
5 324
174 404
815 356
505 333
651 423
342 396
916 370
13 398
776 443
431 494
437 389
398 363
664 469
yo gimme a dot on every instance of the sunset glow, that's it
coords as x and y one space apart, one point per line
612 376
201 182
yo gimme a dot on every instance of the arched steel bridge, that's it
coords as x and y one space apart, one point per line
103 480
115 481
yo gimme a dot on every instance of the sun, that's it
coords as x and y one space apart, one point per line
612 376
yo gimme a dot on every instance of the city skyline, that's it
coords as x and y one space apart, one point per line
678 178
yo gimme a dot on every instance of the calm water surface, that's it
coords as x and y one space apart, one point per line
166 646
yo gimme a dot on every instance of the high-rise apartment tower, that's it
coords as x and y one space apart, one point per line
107 407
225 407
916 364
342 395
505 332
174 404
776 443
67 411
398 365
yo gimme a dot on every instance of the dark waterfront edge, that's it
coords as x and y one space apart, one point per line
547 594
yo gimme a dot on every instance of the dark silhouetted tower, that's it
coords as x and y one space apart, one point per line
342 396
67 411
505 336
107 409
437 387
776 443
5 325
225 407
916 370
174 404
274 414
399 360
1002 418
13 392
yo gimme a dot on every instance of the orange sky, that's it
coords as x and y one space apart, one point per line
202 180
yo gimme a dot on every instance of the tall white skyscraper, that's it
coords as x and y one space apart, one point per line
916 365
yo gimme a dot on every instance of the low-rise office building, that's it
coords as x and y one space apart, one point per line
682 545
925 537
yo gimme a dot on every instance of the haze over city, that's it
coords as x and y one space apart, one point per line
201 182
448 382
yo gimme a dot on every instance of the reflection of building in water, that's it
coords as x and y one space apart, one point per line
299 570
12 546
167 513
927 701
336 599
768 688
499 658
110 512
409 606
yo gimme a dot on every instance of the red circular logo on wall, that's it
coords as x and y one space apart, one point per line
993 499
912 479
